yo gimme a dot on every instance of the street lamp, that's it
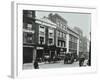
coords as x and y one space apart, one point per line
89 62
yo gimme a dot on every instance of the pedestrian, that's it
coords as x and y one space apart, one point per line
36 65
81 60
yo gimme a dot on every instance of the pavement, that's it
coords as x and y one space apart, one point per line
44 65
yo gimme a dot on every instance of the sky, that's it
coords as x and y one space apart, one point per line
81 20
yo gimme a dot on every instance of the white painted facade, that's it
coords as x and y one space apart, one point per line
45 22
72 32
78 46
42 33
51 28
51 35
67 42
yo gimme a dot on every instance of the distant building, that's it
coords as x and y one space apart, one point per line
80 32
86 47
72 41
83 42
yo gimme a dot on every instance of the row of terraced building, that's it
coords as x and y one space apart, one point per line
49 35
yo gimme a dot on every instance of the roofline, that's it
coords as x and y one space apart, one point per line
72 30
60 17
47 22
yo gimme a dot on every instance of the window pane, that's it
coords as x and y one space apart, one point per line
51 34
29 13
41 40
29 26
41 26
41 33
28 38
50 41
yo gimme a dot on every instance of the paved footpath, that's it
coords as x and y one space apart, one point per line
58 65
51 65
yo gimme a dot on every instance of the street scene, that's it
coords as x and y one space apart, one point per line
53 65
56 39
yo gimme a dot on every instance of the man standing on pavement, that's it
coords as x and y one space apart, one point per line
81 60
36 65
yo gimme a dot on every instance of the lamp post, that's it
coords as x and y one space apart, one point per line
89 62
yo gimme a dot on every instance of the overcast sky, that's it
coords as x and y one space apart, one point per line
80 20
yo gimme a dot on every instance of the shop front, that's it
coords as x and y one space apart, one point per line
39 54
29 52
74 53
52 51
49 52
42 52
61 52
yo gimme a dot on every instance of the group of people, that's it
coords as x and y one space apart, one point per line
69 58
81 61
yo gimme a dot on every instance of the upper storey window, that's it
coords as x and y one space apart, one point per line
29 14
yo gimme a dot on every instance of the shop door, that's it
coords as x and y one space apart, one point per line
52 54
27 55
39 54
